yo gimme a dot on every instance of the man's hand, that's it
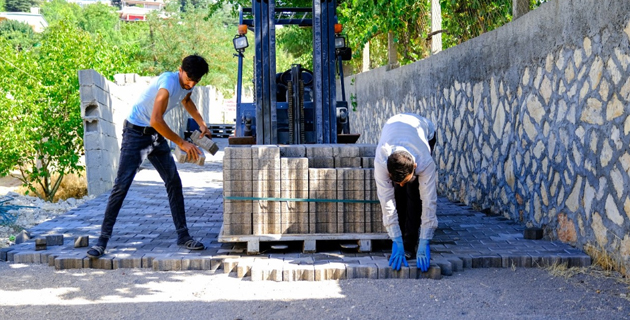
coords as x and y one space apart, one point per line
190 149
205 131
397 258
423 255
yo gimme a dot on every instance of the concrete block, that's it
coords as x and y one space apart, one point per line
237 164
366 150
316 174
27 257
68 262
347 162
204 142
266 175
238 188
369 271
487 261
265 152
321 162
23 236
105 263
237 152
238 207
292 151
3 253
267 188
182 157
243 269
91 77
147 261
40 244
367 162
434 273
54 240
127 262
345 150
167 263
81 241
319 151
237 175
266 164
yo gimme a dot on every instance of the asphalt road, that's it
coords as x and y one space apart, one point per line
41 292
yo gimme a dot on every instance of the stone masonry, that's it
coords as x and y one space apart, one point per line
533 120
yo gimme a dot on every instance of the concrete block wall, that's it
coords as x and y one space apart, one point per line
297 172
533 120
104 107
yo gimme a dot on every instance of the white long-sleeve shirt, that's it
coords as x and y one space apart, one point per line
409 132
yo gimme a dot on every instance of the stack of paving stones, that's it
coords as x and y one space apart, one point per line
320 172
144 237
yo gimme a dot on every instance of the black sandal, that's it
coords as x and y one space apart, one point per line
96 252
193 245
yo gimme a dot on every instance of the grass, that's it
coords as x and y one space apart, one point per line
72 186
604 265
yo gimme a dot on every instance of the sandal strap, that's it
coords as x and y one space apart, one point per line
99 249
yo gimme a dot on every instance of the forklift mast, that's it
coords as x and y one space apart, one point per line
295 106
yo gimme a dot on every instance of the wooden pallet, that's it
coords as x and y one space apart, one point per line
363 240
222 130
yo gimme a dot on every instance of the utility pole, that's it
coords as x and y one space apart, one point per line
436 26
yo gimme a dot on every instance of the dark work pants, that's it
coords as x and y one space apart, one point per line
135 147
409 208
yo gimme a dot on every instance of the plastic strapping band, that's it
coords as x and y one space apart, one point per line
300 199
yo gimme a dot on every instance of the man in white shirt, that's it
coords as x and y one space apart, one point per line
144 137
405 175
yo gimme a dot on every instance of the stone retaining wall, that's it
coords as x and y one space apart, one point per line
533 119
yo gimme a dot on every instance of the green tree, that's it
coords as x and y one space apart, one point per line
19 5
184 33
99 18
19 35
55 11
41 130
2 5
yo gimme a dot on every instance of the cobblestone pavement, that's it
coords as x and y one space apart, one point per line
144 237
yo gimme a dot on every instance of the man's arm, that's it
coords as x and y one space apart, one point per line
428 195
158 123
192 110
385 192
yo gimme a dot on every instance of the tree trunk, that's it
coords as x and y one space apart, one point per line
519 8
392 52
366 58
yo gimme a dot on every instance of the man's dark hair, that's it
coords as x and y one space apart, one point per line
400 165
195 67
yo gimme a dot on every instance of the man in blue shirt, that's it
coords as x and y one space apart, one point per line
144 137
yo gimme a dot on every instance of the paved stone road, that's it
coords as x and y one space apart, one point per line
144 237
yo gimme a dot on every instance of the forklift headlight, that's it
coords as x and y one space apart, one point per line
340 42
240 43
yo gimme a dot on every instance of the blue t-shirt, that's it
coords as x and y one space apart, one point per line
141 112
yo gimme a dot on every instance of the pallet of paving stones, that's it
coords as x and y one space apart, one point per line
222 130
362 242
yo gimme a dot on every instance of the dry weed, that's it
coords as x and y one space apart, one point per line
72 186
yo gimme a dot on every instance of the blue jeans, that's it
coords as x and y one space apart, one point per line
137 146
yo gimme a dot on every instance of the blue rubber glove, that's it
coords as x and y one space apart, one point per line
397 258
423 255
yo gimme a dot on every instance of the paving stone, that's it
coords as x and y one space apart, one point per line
54 240
28 257
356 270
434 273
229 265
127 262
533 233
244 267
105 263
167 263
69 262
81 241
446 267
3 253
40 244
489 261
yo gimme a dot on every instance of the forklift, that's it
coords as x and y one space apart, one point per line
295 106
